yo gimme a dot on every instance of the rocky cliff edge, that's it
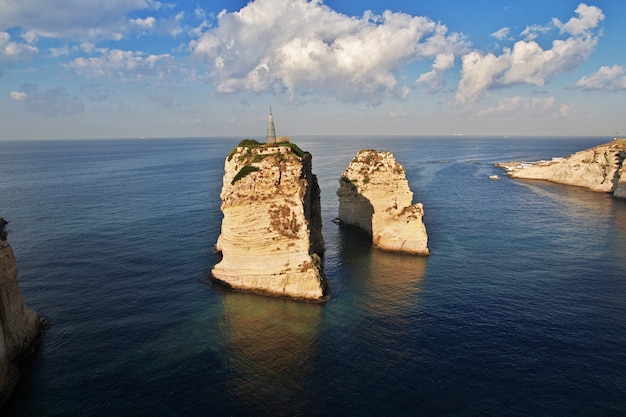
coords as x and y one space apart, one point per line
600 168
271 238
374 196
20 328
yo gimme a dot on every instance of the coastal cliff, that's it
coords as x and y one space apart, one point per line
374 196
620 190
20 327
600 168
271 238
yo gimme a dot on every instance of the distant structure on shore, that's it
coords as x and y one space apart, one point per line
270 136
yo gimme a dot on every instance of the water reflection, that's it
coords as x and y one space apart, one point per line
619 214
387 284
595 217
578 201
269 348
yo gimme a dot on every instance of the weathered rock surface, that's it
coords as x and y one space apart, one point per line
600 168
620 190
374 196
271 239
20 327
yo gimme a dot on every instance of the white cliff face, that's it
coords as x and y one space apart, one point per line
20 327
375 197
271 238
598 169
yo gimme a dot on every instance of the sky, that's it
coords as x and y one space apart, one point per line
211 68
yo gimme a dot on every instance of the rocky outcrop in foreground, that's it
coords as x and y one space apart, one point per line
20 327
374 196
271 239
600 168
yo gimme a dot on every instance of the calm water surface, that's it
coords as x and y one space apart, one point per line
519 311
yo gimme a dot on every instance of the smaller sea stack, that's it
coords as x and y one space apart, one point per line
374 196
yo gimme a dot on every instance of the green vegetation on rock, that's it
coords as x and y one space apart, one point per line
247 169
248 156
295 148
246 143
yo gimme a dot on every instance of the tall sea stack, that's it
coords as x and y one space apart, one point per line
271 238
20 327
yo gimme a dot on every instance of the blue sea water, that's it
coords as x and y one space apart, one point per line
519 311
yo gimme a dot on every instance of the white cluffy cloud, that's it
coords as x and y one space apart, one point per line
13 51
433 80
299 46
527 62
18 95
502 33
147 23
606 78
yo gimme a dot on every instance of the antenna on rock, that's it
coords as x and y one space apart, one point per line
270 136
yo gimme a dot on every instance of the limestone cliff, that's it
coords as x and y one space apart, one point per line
20 327
620 190
600 168
271 238
374 196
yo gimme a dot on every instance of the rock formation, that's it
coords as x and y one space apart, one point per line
271 238
620 190
600 168
20 327
374 196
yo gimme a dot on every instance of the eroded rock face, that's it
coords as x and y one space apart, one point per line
271 239
620 190
20 327
600 168
374 196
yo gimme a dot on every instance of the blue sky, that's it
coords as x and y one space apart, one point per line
132 68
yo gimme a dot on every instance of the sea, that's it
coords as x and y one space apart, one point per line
520 310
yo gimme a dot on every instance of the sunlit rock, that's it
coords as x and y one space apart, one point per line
600 168
271 238
374 196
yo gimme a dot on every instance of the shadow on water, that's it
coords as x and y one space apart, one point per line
269 351
386 284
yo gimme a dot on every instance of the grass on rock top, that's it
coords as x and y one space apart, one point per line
249 145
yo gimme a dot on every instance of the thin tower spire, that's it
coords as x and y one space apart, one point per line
270 136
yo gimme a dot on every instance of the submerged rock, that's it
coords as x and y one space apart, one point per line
20 327
374 196
600 168
271 239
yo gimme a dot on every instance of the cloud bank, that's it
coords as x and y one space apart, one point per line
70 18
527 62
299 48
534 106
304 46
55 102
128 66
